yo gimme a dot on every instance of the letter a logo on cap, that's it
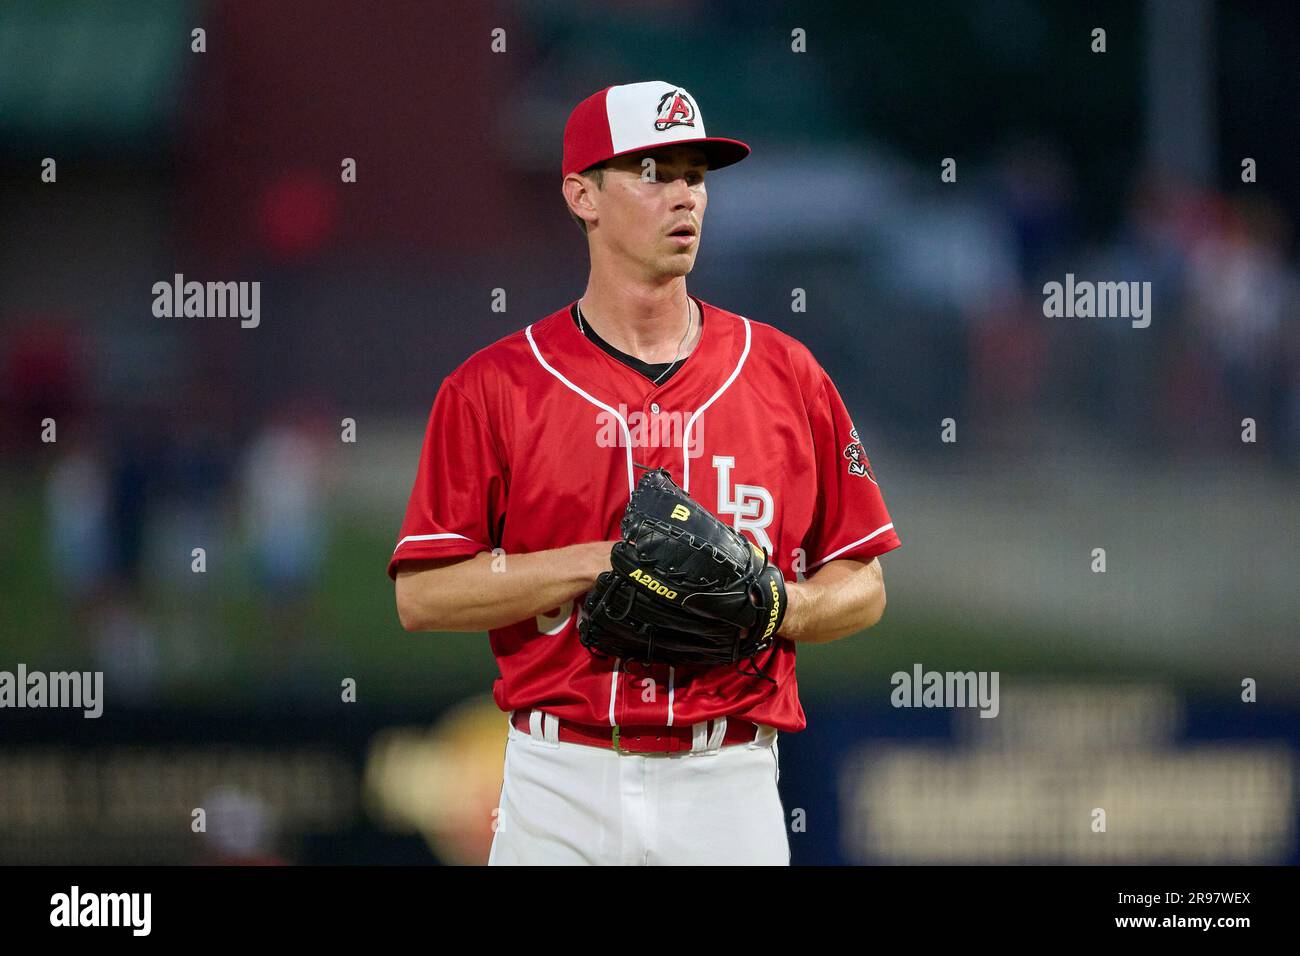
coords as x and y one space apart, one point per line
675 109
613 123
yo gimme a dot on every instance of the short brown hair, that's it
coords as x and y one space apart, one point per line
597 173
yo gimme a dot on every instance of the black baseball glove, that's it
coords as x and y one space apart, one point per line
685 588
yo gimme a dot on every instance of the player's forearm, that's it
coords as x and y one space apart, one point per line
840 599
487 591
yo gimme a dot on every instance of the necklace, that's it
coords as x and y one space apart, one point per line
690 321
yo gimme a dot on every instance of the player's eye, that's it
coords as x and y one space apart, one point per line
692 177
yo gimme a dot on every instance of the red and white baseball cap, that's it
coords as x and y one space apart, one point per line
637 116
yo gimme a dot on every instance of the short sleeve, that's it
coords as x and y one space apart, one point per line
459 498
851 519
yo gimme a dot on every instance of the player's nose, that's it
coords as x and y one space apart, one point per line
682 196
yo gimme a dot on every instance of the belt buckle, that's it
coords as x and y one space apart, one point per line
616 741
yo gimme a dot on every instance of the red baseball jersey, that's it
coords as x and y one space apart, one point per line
535 442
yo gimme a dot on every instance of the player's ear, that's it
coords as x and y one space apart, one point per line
578 197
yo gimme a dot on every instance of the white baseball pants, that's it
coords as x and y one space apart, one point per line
573 804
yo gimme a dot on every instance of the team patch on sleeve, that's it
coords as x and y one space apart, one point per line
857 456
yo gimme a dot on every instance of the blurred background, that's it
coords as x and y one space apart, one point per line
223 689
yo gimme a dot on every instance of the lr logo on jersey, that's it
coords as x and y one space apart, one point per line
751 508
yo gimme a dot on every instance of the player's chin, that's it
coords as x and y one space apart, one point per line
679 263
677 268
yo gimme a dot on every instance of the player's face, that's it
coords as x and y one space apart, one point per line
651 213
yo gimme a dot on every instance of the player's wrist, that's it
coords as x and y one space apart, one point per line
796 606
594 558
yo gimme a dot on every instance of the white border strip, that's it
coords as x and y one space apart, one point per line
613 688
430 537
686 438
627 432
835 554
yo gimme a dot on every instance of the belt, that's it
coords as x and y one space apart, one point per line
641 739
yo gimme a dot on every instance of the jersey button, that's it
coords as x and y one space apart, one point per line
654 408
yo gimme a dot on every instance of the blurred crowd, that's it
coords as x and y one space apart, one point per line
926 301
155 509
1223 344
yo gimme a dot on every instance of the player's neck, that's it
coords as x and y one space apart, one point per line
647 322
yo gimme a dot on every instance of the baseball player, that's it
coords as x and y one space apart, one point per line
533 449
